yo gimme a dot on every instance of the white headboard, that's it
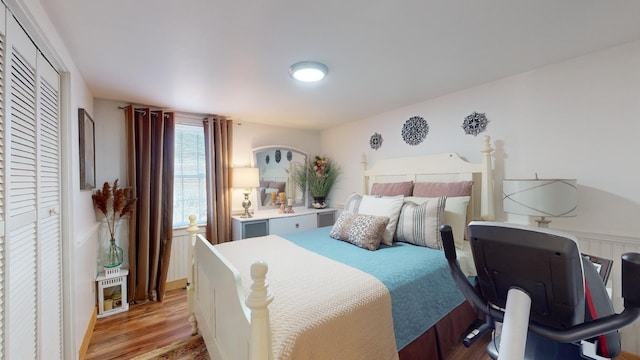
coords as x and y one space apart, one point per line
449 167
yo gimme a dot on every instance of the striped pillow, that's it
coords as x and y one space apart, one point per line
420 224
353 203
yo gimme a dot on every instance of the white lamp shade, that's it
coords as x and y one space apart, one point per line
540 197
245 177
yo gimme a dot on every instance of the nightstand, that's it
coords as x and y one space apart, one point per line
272 222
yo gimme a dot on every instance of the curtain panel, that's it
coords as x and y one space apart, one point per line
218 135
150 150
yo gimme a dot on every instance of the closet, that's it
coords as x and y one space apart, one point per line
30 233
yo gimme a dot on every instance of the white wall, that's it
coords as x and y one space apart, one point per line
576 119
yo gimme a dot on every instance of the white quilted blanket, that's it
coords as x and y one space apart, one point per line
322 309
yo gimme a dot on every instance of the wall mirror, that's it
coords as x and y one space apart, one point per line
276 164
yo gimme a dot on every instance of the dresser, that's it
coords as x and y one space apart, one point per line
272 222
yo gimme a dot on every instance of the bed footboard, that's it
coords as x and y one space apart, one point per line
232 327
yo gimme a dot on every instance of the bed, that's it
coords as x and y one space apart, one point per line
308 295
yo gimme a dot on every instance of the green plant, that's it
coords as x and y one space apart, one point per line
319 175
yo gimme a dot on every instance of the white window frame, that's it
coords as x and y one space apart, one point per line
196 121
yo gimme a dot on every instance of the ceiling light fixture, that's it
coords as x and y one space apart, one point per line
308 71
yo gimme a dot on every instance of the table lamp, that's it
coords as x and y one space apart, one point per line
245 178
540 197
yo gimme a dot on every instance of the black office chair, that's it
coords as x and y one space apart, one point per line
549 298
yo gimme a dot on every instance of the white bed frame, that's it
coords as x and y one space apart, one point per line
237 328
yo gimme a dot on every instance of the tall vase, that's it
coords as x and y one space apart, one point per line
112 255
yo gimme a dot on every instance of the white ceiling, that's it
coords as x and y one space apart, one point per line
232 57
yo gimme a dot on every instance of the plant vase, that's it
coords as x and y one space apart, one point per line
112 255
319 202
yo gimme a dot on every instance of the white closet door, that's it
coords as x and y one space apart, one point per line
2 173
21 192
49 316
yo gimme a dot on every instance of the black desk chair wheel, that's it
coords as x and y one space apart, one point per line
552 302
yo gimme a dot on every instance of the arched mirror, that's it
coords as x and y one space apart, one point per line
276 164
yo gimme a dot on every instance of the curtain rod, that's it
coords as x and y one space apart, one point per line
178 112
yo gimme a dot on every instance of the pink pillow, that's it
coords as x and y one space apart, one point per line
392 189
436 189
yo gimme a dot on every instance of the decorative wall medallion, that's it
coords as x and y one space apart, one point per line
475 123
278 156
267 159
289 155
415 130
376 141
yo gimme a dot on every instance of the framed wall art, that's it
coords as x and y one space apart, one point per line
86 130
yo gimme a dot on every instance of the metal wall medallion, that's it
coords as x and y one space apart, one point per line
376 141
415 130
475 123
267 159
278 156
289 155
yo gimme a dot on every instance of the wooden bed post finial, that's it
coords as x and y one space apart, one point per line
258 300
192 230
487 209
363 162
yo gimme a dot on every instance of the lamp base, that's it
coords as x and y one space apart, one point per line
543 222
246 204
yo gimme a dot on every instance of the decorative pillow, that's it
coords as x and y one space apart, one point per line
455 215
388 206
353 203
340 229
392 189
278 185
435 189
366 231
420 224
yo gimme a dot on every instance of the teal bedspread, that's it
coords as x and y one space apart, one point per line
418 278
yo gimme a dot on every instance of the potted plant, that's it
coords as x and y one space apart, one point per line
318 176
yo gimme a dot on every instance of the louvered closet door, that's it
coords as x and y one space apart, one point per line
2 173
49 316
20 277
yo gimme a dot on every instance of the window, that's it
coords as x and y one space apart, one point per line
189 187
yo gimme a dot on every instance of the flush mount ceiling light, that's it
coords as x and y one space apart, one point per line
308 71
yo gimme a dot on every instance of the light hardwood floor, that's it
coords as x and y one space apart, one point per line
149 326
143 328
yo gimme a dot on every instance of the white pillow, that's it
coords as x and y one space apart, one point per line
455 215
388 206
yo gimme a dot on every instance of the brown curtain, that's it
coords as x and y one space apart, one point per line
218 135
150 152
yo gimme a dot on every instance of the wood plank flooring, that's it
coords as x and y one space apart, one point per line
143 328
149 326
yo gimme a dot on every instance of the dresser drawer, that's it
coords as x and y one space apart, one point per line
289 224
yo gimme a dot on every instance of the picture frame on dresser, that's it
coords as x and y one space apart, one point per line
86 132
